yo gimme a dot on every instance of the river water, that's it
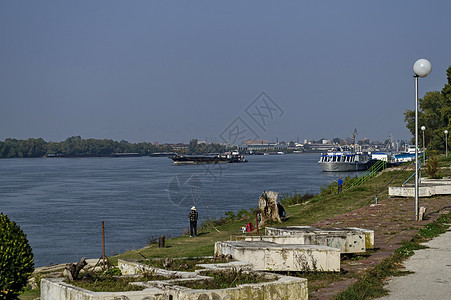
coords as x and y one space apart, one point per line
60 203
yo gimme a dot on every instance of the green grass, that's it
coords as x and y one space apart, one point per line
109 282
183 264
325 205
30 294
224 280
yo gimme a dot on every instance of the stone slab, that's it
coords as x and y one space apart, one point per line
268 256
348 240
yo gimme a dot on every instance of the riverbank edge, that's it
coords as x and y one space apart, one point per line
300 209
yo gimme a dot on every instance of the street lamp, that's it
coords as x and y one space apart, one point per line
421 68
446 142
423 128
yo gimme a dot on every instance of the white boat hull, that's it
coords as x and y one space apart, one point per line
341 166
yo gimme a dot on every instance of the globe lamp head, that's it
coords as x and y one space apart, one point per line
446 131
423 128
422 67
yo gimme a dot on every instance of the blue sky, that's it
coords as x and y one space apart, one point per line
169 71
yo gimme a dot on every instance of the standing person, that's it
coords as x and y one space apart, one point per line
340 185
193 216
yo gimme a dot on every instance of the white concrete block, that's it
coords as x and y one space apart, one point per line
281 257
348 240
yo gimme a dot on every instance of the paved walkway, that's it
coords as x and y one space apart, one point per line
393 222
432 277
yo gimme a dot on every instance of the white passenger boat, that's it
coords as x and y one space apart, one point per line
343 161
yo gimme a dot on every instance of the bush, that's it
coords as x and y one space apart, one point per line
16 259
432 168
296 198
230 215
242 213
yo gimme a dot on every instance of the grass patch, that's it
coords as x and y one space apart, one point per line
30 294
296 198
371 284
224 280
327 204
316 280
183 264
112 282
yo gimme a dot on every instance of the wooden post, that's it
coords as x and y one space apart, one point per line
161 242
103 241
256 222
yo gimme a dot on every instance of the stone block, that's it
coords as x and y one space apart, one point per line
268 256
348 240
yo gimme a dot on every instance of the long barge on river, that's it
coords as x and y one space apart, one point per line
208 159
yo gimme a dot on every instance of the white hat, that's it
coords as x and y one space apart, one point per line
193 208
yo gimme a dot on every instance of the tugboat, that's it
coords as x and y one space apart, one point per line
225 158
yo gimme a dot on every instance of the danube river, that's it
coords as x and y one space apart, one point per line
60 203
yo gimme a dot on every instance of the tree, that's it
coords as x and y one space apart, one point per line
192 146
435 114
336 140
16 259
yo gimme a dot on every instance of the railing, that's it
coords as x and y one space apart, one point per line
413 174
379 166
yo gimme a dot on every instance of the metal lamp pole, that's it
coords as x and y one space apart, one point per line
421 68
446 143
423 128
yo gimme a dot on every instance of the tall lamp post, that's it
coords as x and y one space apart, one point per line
421 68
446 142
423 128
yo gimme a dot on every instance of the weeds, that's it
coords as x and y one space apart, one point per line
296 198
315 280
110 281
224 280
185 264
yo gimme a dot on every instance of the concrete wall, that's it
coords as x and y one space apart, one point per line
283 287
277 257
348 240
369 236
56 289
423 191
428 188
129 267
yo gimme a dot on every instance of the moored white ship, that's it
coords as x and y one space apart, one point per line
343 161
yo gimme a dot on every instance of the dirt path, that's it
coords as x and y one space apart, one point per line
392 221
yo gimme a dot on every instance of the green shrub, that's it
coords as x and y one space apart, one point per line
230 215
16 259
296 198
432 168
242 213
